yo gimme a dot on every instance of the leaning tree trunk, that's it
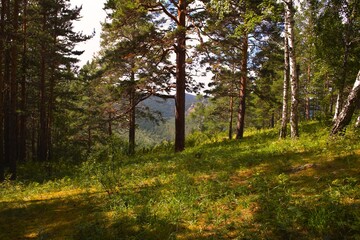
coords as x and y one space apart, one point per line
284 117
344 117
343 77
180 78
294 119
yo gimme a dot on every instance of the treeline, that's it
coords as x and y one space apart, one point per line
37 58
301 62
272 64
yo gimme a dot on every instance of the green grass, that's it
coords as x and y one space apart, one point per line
256 188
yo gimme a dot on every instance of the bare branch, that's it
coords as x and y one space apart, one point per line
164 96
160 7
175 3
168 13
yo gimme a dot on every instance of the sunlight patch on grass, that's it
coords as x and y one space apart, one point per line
256 188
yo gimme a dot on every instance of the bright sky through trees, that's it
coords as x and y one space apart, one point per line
93 14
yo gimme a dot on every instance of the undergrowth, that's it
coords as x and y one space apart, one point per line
257 188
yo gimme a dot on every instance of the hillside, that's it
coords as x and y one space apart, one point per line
160 127
257 188
166 106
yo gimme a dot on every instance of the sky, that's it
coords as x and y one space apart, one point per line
92 14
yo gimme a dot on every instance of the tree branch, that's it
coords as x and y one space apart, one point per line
168 13
175 3
164 96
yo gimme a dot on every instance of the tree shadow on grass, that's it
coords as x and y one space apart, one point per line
81 216
317 203
46 219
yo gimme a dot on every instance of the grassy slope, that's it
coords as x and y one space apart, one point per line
257 188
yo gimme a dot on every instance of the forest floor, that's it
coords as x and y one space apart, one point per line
257 188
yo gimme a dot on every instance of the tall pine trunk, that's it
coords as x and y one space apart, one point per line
294 118
42 139
22 105
307 98
34 131
231 109
180 78
7 82
52 81
242 92
272 120
132 117
13 130
345 116
50 105
2 45
284 116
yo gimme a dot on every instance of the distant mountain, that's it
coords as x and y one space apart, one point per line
167 106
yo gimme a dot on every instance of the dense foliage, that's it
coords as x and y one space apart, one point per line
95 145
49 110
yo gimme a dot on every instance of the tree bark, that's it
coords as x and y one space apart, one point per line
357 123
272 120
13 130
34 126
231 109
345 116
2 37
42 141
180 78
294 119
338 102
242 92
307 98
22 105
284 117
132 117
340 96
7 82
54 62
307 109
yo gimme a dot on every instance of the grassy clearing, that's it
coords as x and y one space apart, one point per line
257 188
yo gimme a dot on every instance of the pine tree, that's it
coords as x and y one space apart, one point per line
240 22
136 58
2 52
